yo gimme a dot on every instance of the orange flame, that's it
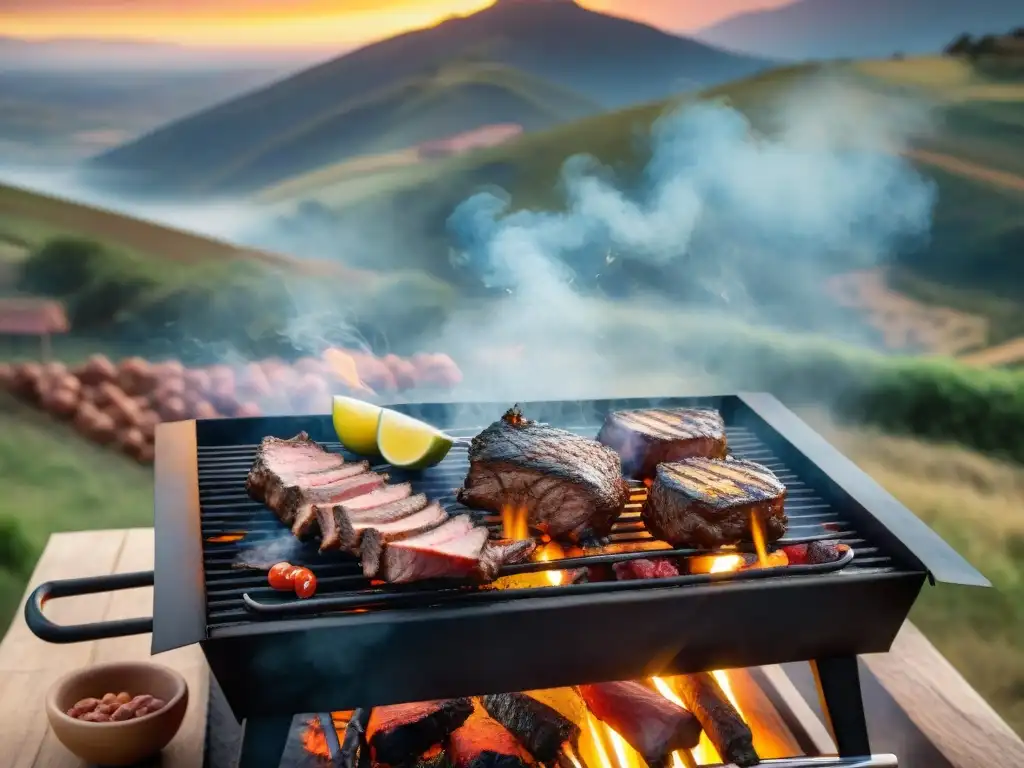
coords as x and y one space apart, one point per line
757 533
514 523
226 538
716 563
344 367
547 553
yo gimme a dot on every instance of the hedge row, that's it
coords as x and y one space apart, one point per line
936 399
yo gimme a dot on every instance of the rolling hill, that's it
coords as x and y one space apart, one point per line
833 29
978 224
605 59
456 98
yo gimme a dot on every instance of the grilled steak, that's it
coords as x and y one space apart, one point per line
644 439
276 457
450 550
650 723
369 537
571 486
401 733
540 728
337 520
708 503
481 742
299 505
284 493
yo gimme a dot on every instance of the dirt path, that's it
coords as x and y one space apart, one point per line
966 168
1007 353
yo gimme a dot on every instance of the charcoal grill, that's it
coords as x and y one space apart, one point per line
356 644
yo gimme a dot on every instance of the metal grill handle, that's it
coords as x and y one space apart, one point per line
46 630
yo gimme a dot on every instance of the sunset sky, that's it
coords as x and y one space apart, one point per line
301 23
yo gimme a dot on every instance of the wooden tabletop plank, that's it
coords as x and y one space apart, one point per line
28 666
947 710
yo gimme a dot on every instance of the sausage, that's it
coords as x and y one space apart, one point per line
127 711
95 717
83 706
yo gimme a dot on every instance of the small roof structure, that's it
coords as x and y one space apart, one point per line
32 317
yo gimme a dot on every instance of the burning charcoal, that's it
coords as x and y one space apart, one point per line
539 728
819 552
650 723
645 569
435 757
396 734
725 728
796 553
482 742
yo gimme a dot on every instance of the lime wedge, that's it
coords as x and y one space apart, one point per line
355 421
409 443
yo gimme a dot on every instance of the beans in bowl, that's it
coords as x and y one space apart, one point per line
115 707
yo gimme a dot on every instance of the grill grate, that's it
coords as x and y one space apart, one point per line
236 529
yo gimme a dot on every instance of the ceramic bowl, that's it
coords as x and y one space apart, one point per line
128 741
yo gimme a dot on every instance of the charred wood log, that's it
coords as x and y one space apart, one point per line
540 728
724 726
353 743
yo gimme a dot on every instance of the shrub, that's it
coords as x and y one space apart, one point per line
16 552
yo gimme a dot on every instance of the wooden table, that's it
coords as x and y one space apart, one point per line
937 701
28 665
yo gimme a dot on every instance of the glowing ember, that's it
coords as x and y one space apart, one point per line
716 563
313 739
226 538
514 523
344 367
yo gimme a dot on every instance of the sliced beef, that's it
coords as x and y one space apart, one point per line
504 552
482 742
451 550
400 733
540 728
276 458
651 724
336 521
646 438
295 506
353 532
708 503
570 486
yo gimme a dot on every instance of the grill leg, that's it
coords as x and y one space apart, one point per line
838 681
264 741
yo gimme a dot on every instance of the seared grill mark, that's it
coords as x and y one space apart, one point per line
646 438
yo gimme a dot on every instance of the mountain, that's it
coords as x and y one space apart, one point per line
605 59
830 29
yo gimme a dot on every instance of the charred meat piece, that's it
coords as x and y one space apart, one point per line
399 734
505 552
482 742
451 550
646 438
650 723
341 525
708 503
728 734
570 486
540 728
276 458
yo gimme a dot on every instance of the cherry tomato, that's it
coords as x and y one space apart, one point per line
305 582
280 576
